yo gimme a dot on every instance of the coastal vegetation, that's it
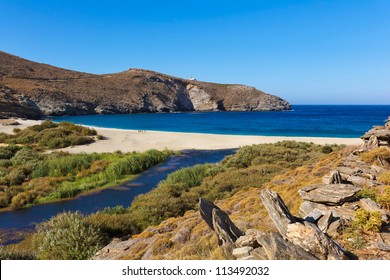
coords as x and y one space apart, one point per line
29 174
249 168
50 135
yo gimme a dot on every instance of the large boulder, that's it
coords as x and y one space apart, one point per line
333 194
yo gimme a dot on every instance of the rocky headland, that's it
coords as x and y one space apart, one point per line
32 90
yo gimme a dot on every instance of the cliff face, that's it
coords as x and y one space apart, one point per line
29 89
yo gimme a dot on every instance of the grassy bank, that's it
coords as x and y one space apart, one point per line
31 172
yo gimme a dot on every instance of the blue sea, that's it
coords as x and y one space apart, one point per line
344 121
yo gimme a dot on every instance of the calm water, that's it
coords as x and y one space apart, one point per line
303 120
13 221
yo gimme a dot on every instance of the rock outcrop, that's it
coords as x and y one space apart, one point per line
296 238
29 89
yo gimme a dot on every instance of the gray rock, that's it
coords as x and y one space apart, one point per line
325 221
277 210
335 194
242 252
249 239
259 254
358 181
310 238
314 216
222 226
307 207
334 228
276 248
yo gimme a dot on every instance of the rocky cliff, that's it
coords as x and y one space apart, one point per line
29 89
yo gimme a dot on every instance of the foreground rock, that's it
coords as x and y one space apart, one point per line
29 89
296 239
334 194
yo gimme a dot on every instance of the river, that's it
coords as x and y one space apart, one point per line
12 222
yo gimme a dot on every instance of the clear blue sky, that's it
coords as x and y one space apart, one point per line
308 52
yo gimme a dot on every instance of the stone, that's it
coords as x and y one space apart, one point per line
276 248
307 207
242 252
277 210
259 254
226 231
334 228
358 181
310 238
325 221
346 171
335 178
371 206
314 216
334 194
371 143
249 239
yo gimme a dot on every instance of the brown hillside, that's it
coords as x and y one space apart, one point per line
30 89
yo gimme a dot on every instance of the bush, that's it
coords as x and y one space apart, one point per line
370 221
68 236
7 254
133 164
4 199
23 198
17 176
114 224
384 198
61 165
367 193
326 149
25 155
8 152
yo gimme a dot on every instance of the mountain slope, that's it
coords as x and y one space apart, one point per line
30 89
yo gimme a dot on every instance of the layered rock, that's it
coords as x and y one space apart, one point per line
29 89
296 239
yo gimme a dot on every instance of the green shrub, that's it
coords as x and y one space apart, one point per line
326 149
370 221
384 198
3 137
8 152
23 198
367 193
25 155
17 176
114 224
4 199
68 236
61 165
5 163
11 254
133 164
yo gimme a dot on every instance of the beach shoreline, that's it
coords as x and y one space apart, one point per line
136 140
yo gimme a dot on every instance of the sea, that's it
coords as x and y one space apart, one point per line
341 121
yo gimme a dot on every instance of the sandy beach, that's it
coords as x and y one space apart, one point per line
133 140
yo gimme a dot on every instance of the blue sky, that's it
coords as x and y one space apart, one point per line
308 52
